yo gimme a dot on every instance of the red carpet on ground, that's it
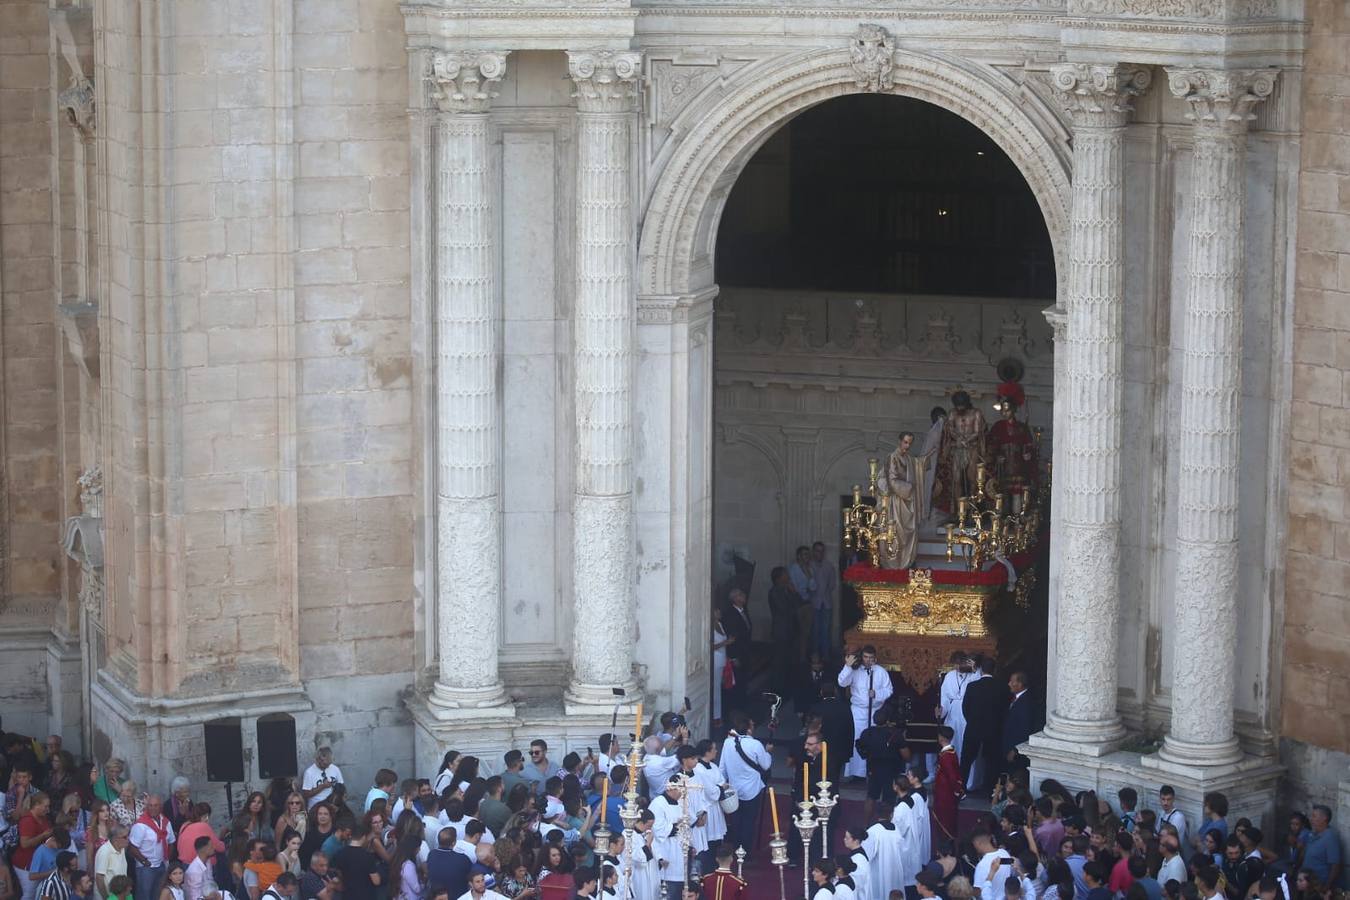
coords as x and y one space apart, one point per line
762 876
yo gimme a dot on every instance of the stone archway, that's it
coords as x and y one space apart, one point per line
675 254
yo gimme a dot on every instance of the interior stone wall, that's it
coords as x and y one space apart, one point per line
1316 632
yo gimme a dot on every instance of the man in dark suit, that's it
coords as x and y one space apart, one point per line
1019 722
985 702
836 727
446 867
736 623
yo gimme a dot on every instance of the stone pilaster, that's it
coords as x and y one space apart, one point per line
1221 105
603 570
1099 99
468 401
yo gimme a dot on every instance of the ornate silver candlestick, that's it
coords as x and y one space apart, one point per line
778 856
824 804
630 813
740 863
806 825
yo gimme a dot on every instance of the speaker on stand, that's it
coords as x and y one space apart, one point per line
224 740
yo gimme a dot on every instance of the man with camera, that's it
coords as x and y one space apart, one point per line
869 686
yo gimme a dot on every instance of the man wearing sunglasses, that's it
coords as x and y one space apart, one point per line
538 769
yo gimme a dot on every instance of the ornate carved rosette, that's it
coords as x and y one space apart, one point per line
872 55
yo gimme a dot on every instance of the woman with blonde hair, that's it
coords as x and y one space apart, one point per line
99 830
293 819
128 805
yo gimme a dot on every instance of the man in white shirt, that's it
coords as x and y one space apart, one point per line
869 686
657 767
953 693
111 860
199 882
151 838
478 889
985 845
317 785
668 843
1170 815
745 766
1173 866
469 839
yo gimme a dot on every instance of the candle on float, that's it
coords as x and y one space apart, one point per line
824 757
773 809
637 725
604 801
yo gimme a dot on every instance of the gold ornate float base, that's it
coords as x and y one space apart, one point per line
921 608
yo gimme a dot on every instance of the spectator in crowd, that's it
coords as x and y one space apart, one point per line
320 778
1322 854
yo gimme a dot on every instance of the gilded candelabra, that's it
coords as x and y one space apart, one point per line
824 804
865 525
991 523
806 825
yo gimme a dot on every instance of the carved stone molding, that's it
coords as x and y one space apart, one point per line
462 80
1208 10
77 102
1099 95
606 80
1222 99
872 55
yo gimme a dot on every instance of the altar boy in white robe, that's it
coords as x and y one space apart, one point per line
670 855
907 826
884 849
854 836
917 776
646 868
697 800
869 686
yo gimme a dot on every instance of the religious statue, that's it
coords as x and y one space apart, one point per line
904 496
1011 443
962 450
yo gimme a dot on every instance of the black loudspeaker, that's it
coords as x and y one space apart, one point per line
224 750
276 747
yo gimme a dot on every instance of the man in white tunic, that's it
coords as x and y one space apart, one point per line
670 856
697 800
646 871
916 778
854 836
951 695
907 826
869 686
708 776
887 855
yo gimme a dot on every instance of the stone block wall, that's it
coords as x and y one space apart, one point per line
1316 692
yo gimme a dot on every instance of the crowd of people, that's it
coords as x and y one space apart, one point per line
551 830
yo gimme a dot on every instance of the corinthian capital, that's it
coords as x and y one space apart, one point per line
606 80
1222 99
1099 95
462 80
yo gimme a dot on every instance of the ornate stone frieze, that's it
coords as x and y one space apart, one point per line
1222 99
940 337
1013 339
872 54
462 81
1213 10
1098 95
606 80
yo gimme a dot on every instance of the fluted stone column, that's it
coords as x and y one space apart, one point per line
468 400
602 523
1098 99
1211 344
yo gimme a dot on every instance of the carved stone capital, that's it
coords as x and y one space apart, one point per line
871 53
1222 99
462 81
1099 96
77 101
606 80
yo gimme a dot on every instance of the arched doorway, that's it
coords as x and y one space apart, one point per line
875 253
718 134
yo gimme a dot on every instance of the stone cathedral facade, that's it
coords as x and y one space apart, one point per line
359 364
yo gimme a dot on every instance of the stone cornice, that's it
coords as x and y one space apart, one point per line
1222 99
606 80
462 80
1100 96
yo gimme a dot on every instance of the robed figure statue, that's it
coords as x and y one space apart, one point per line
903 491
